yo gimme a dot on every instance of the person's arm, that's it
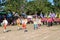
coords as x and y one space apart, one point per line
3 22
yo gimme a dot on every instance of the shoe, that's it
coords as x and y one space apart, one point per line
25 30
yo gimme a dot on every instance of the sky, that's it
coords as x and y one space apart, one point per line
31 0
51 2
1 1
48 0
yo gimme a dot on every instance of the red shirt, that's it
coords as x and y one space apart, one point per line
44 19
50 20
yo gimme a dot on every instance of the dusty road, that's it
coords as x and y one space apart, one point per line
44 33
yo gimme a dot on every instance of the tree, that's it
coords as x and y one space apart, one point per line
14 5
39 5
57 5
32 6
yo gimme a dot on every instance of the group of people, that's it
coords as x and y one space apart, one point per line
37 22
18 22
23 22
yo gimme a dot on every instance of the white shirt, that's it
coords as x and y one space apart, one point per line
39 21
24 21
5 22
35 21
29 17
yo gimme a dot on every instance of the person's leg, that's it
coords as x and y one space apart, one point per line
59 22
18 26
39 25
4 28
24 26
55 23
51 23
34 26
43 22
25 29
48 24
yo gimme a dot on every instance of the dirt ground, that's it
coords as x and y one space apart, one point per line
44 33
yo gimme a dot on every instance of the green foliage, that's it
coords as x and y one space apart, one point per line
39 5
57 5
33 6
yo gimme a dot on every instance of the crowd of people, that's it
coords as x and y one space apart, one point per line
37 21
